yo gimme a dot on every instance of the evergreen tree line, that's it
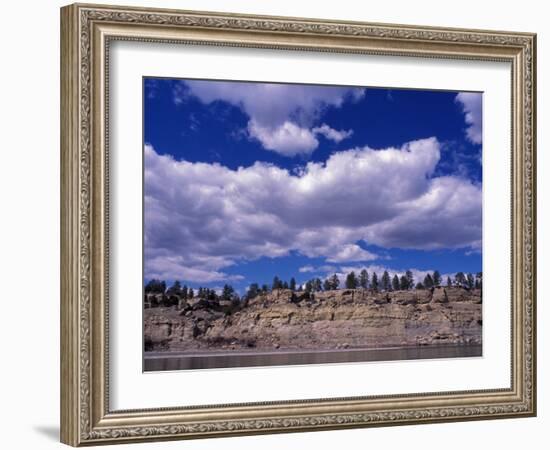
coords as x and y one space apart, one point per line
363 280
187 293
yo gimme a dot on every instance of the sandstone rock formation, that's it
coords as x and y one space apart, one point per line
346 318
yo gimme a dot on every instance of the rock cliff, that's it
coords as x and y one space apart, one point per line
287 320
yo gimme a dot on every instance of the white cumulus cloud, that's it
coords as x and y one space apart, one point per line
351 252
287 139
207 217
471 103
332 134
281 116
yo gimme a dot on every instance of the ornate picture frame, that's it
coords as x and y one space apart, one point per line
87 32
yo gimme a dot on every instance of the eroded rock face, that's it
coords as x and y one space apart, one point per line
346 318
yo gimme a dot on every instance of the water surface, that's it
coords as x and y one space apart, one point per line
158 361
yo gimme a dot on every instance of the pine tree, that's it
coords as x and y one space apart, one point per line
309 287
253 291
364 279
395 283
419 285
351 281
479 280
334 282
374 282
285 285
292 284
317 285
470 281
227 292
191 293
326 285
386 281
276 283
403 283
184 292
428 281
437 278
155 287
175 288
410 279
449 282
460 279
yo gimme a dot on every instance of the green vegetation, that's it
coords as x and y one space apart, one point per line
177 291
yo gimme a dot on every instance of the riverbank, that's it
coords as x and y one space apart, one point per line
161 361
328 320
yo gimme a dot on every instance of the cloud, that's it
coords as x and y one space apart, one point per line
471 103
281 116
321 269
332 134
351 252
209 217
430 220
176 267
287 139
461 161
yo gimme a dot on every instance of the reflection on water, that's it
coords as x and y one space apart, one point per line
182 361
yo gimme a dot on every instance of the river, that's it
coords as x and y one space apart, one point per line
161 361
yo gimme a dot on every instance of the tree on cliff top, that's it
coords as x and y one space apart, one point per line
374 282
253 291
386 281
479 280
460 279
410 279
428 281
395 283
155 287
316 285
227 292
470 281
334 282
292 284
403 283
175 289
277 283
351 281
437 278
364 279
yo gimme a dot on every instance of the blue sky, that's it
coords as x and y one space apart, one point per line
244 181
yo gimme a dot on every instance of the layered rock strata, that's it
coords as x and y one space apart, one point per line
287 320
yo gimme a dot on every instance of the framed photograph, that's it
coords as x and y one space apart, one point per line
276 224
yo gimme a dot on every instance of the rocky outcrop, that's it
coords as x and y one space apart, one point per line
346 318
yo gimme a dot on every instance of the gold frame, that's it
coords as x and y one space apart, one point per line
86 31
